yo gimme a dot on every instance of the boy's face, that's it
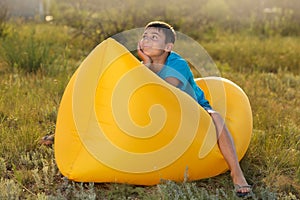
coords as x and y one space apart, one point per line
153 42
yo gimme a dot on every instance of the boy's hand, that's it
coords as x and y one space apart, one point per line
145 58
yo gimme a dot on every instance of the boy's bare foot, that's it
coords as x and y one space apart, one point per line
242 188
47 140
243 191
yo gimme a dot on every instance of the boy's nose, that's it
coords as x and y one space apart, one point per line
146 39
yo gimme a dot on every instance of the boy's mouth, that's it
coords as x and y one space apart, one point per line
146 46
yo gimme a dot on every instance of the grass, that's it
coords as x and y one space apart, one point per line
248 53
266 68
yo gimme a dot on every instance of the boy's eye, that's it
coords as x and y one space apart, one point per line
151 37
154 37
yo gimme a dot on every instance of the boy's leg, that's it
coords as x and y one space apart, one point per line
228 150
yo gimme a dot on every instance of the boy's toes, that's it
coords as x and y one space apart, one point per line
242 191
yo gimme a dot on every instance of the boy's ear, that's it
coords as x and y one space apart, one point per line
169 47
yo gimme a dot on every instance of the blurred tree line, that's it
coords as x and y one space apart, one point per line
96 20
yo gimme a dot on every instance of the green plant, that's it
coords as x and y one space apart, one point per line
25 52
9 189
33 49
3 19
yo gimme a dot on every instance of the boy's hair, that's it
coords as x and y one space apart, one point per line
167 29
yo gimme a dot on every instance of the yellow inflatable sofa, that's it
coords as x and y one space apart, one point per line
119 122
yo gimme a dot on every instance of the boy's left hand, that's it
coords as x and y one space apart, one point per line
145 58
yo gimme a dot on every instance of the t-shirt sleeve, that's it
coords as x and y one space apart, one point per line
178 70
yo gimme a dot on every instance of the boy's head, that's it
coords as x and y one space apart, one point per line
167 29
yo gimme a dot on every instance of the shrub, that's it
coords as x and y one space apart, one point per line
25 52
3 19
35 48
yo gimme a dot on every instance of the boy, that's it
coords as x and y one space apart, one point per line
155 51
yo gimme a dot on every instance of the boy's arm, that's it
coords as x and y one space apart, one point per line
173 81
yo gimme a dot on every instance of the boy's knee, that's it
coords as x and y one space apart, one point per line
212 112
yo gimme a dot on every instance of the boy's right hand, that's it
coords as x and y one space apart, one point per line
145 58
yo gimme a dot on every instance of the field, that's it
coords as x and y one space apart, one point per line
37 60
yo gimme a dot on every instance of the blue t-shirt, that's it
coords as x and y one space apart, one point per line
177 67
